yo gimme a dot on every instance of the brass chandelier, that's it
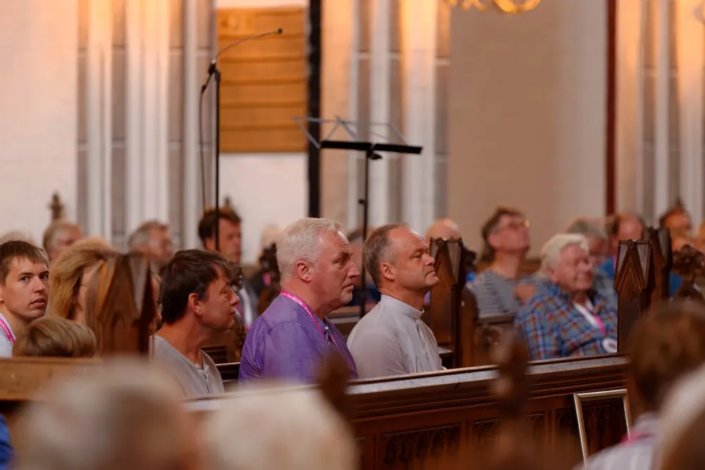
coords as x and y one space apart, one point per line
506 6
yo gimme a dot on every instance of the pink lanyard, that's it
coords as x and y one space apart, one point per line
598 320
6 328
301 303
634 437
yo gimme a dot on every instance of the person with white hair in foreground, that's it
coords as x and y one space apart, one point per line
293 336
122 416
567 317
276 429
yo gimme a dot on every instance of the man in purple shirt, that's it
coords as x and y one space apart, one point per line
292 336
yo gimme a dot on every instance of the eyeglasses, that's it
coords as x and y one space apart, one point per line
516 225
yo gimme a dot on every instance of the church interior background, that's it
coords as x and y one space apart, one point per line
576 108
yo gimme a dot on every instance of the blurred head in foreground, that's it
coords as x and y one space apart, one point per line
121 416
55 337
270 427
295 429
664 346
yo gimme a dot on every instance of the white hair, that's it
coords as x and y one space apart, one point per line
265 428
302 240
99 418
588 228
551 251
140 237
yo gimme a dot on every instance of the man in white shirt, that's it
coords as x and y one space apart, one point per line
391 339
24 290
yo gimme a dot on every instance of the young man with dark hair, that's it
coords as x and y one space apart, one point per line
198 302
230 246
24 290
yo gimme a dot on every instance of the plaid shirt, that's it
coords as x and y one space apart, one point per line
552 327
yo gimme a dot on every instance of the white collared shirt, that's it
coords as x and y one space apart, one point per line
392 340
5 343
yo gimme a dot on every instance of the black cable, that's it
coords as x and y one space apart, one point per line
200 138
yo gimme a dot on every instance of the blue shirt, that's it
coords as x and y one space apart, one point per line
552 326
6 452
674 281
285 342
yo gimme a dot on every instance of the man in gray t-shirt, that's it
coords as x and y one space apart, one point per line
198 302
195 380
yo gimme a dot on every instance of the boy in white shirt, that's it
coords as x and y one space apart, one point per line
24 290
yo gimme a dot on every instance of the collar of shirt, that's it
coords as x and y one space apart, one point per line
401 307
7 323
554 290
647 424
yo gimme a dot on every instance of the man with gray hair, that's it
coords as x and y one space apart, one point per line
60 235
152 238
392 339
567 317
291 338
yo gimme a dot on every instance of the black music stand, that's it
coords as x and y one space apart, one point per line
370 149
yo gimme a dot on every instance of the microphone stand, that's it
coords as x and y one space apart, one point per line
214 72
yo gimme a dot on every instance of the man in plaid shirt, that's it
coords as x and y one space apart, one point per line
567 317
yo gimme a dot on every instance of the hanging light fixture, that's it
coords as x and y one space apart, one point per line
505 6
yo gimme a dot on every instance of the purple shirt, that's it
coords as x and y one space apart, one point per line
285 342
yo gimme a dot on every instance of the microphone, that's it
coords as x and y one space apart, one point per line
212 68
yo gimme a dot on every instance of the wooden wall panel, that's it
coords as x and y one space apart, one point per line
263 81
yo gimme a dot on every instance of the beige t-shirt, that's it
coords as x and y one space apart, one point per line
195 381
392 340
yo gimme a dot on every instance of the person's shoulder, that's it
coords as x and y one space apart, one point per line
486 276
279 311
621 456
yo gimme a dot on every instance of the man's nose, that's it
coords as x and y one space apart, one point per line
354 272
235 299
39 285
430 260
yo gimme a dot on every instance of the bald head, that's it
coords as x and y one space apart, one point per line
444 229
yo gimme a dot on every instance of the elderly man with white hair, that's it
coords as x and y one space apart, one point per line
567 317
292 337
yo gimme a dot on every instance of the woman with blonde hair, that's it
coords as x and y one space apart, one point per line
71 274
55 337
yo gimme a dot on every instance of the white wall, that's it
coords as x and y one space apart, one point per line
265 188
260 3
38 118
527 116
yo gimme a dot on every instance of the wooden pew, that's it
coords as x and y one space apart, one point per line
405 422
453 310
121 307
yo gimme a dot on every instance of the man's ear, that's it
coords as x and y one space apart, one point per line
195 304
551 273
209 244
387 271
304 270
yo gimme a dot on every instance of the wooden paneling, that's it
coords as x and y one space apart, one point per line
409 422
263 81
